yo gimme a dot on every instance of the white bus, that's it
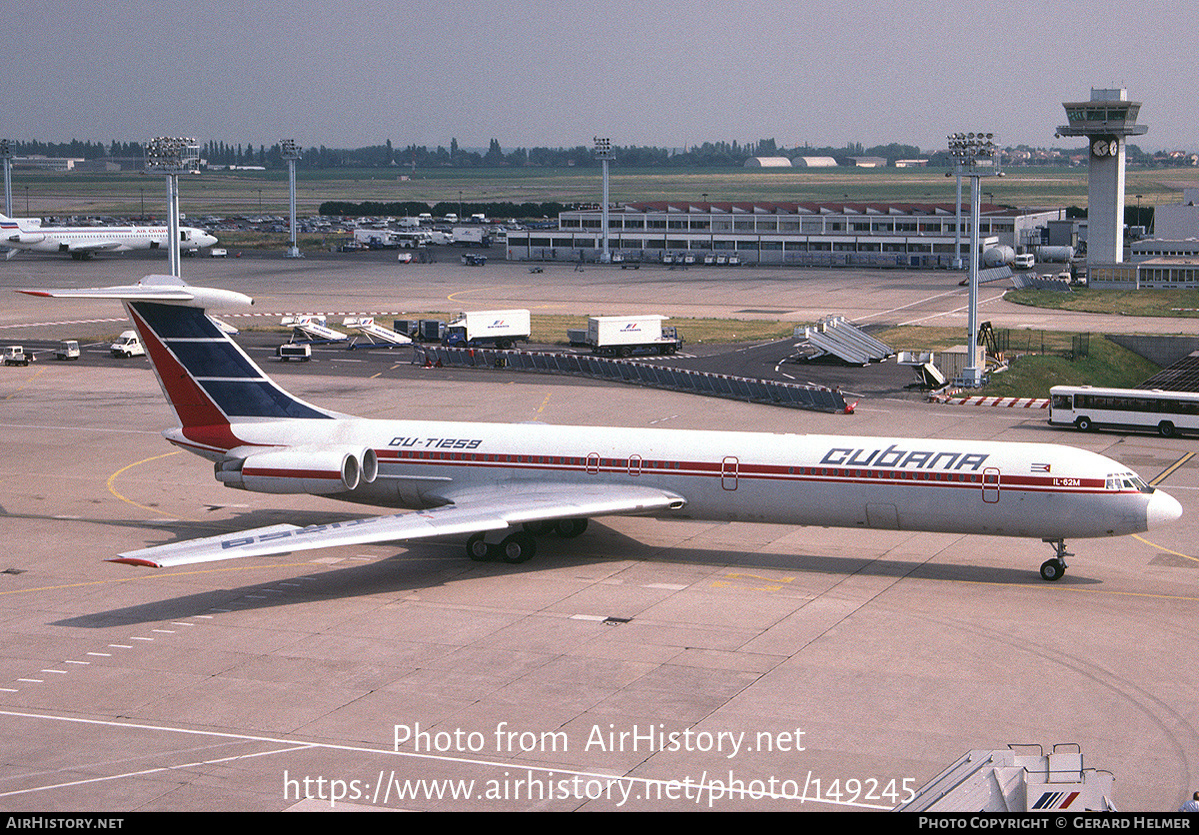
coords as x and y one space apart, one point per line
1086 407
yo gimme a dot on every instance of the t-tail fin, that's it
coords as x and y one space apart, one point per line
208 379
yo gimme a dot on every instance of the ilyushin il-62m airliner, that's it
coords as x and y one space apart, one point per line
502 485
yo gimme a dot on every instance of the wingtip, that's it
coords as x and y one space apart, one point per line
134 561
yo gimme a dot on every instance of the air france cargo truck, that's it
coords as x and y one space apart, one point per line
623 336
496 328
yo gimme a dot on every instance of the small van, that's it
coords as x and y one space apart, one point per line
1024 262
128 344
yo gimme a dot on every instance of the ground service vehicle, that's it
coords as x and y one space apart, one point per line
471 236
375 238
16 355
294 350
68 349
623 336
493 328
128 344
1084 407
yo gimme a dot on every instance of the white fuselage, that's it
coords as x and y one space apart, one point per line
89 239
1011 489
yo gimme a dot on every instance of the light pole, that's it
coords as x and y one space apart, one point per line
6 154
975 155
290 152
603 152
956 263
173 156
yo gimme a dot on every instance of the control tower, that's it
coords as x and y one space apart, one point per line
1106 120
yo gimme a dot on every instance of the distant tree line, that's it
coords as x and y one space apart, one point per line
708 154
417 157
75 149
343 208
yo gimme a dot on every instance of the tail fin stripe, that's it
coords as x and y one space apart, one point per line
205 374
213 359
255 398
178 322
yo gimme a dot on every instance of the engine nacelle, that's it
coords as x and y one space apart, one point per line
315 470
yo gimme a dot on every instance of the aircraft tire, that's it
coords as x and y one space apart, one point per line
1052 570
518 547
478 549
570 528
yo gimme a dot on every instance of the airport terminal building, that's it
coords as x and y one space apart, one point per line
914 235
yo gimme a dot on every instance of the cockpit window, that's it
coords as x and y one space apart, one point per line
1127 481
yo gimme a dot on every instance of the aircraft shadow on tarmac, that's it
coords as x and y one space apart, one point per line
432 563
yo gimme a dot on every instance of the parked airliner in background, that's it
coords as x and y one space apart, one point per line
502 484
82 242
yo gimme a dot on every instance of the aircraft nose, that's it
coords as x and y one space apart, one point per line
1162 510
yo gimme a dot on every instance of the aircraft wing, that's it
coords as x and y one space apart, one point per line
102 246
487 509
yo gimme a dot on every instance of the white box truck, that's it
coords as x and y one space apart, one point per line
497 328
623 336
471 236
375 238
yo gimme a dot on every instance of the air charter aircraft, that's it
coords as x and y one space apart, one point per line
82 242
502 485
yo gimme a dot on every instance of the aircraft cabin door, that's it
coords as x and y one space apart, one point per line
593 460
728 473
991 485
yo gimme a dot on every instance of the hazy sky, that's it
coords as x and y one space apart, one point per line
539 73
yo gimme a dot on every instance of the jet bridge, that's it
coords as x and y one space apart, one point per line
835 336
1012 780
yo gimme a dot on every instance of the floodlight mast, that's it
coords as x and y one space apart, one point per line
603 152
975 155
291 153
6 154
173 156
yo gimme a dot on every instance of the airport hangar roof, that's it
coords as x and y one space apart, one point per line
813 208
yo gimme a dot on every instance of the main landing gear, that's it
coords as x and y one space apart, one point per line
521 546
1053 569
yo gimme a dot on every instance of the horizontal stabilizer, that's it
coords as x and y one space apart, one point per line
155 288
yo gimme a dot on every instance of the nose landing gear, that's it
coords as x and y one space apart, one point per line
1053 569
